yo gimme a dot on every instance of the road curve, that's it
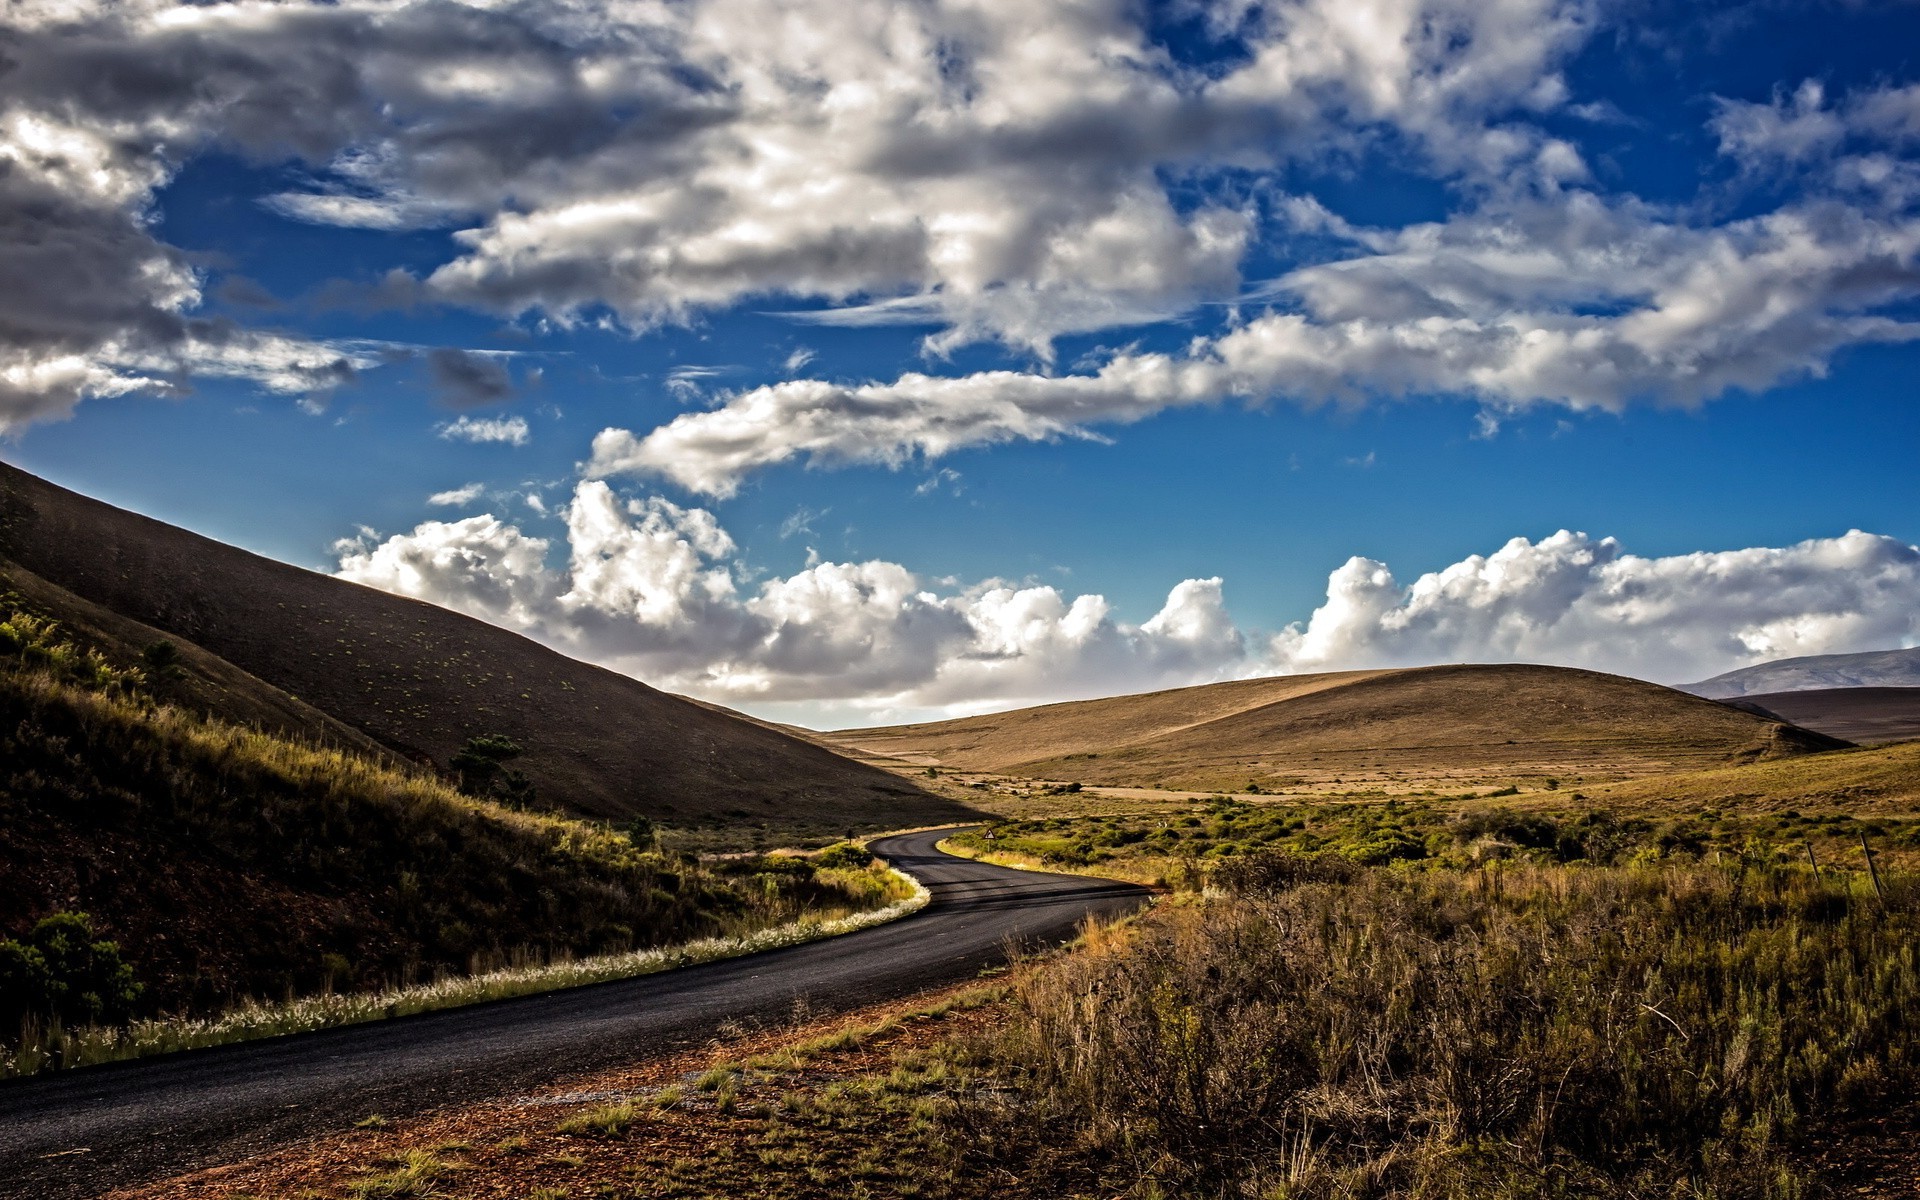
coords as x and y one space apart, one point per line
80 1133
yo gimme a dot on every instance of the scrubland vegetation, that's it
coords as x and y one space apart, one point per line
1433 1000
226 867
1306 1027
1181 849
1316 1028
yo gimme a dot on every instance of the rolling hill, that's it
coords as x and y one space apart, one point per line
350 664
1388 729
1878 668
1866 715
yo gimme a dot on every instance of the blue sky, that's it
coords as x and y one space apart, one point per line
851 363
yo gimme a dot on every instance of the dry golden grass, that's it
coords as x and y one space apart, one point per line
1446 728
1001 741
1877 781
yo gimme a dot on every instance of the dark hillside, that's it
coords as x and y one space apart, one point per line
1859 714
201 683
421 680
229 863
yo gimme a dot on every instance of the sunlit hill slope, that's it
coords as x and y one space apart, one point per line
1432 724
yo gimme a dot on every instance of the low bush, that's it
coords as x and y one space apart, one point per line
60 972
844 856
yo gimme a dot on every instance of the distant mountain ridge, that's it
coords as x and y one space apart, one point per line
1874 668
420 680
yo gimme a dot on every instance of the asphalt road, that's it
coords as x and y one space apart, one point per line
80 1133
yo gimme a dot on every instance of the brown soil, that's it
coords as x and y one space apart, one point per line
511 1149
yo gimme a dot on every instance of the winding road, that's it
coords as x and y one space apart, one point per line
83 1132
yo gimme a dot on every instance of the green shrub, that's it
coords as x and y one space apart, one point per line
62 972
162 660
844 856
1383 846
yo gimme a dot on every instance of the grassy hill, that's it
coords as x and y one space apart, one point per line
229 862
1858 714
1869 781
1433 725
420 680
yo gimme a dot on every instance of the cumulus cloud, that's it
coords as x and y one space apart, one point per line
1580 302
658 590
479 565
511 430
1574 600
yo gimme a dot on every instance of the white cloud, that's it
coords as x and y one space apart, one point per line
511 430
1858 146
992 168
657 590
1792 128
1578 601
478 565
454 497
1581 303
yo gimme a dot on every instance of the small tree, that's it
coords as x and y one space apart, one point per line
60 971
482 770
641 832
162 660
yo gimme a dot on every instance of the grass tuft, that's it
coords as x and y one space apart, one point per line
606 1121
414 1173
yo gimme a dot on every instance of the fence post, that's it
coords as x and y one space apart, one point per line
1873 872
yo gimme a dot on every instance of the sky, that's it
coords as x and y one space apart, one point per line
859 361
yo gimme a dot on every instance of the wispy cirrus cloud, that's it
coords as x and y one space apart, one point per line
465 494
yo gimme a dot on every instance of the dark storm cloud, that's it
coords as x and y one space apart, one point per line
465 380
